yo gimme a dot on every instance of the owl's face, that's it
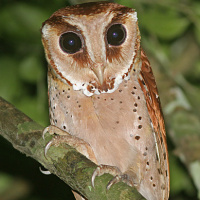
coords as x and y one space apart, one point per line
92 47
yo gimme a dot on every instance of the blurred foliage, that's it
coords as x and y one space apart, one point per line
170 31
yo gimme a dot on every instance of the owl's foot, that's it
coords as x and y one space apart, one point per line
118 175
64 137
53 130
56 141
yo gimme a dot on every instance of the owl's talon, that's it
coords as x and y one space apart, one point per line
45 172
45 131
102 169
121 178
47 147
118 176
54 142
115 180
51 130
95 174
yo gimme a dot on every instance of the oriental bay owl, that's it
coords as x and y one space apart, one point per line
103 96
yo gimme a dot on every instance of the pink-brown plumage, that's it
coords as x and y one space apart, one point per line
106 95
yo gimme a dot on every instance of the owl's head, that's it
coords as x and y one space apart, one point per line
92 46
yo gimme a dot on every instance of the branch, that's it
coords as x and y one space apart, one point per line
63 161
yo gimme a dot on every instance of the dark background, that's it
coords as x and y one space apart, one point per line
170 33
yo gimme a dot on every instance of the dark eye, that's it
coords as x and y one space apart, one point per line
116 34
70 42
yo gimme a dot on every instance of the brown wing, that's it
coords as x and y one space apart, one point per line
148 85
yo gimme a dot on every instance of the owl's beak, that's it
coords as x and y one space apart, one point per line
98 69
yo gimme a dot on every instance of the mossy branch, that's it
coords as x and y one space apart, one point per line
63 161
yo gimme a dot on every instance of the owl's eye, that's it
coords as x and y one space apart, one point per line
116 34
70 42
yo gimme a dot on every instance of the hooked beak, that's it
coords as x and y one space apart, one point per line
98 69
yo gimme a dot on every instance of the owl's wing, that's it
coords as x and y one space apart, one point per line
148 85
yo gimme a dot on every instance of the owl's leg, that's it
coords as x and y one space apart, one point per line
64 137
129 178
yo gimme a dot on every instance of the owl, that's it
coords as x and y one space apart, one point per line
103 97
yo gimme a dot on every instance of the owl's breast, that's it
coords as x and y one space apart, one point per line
116 125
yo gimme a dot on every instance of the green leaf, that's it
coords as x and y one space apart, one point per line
166 25
5 182
22 20
197 29
195 173
196 19
180 179
9 79
30 69
127 3
31 107
184 123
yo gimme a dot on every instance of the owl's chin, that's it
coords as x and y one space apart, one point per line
109 86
